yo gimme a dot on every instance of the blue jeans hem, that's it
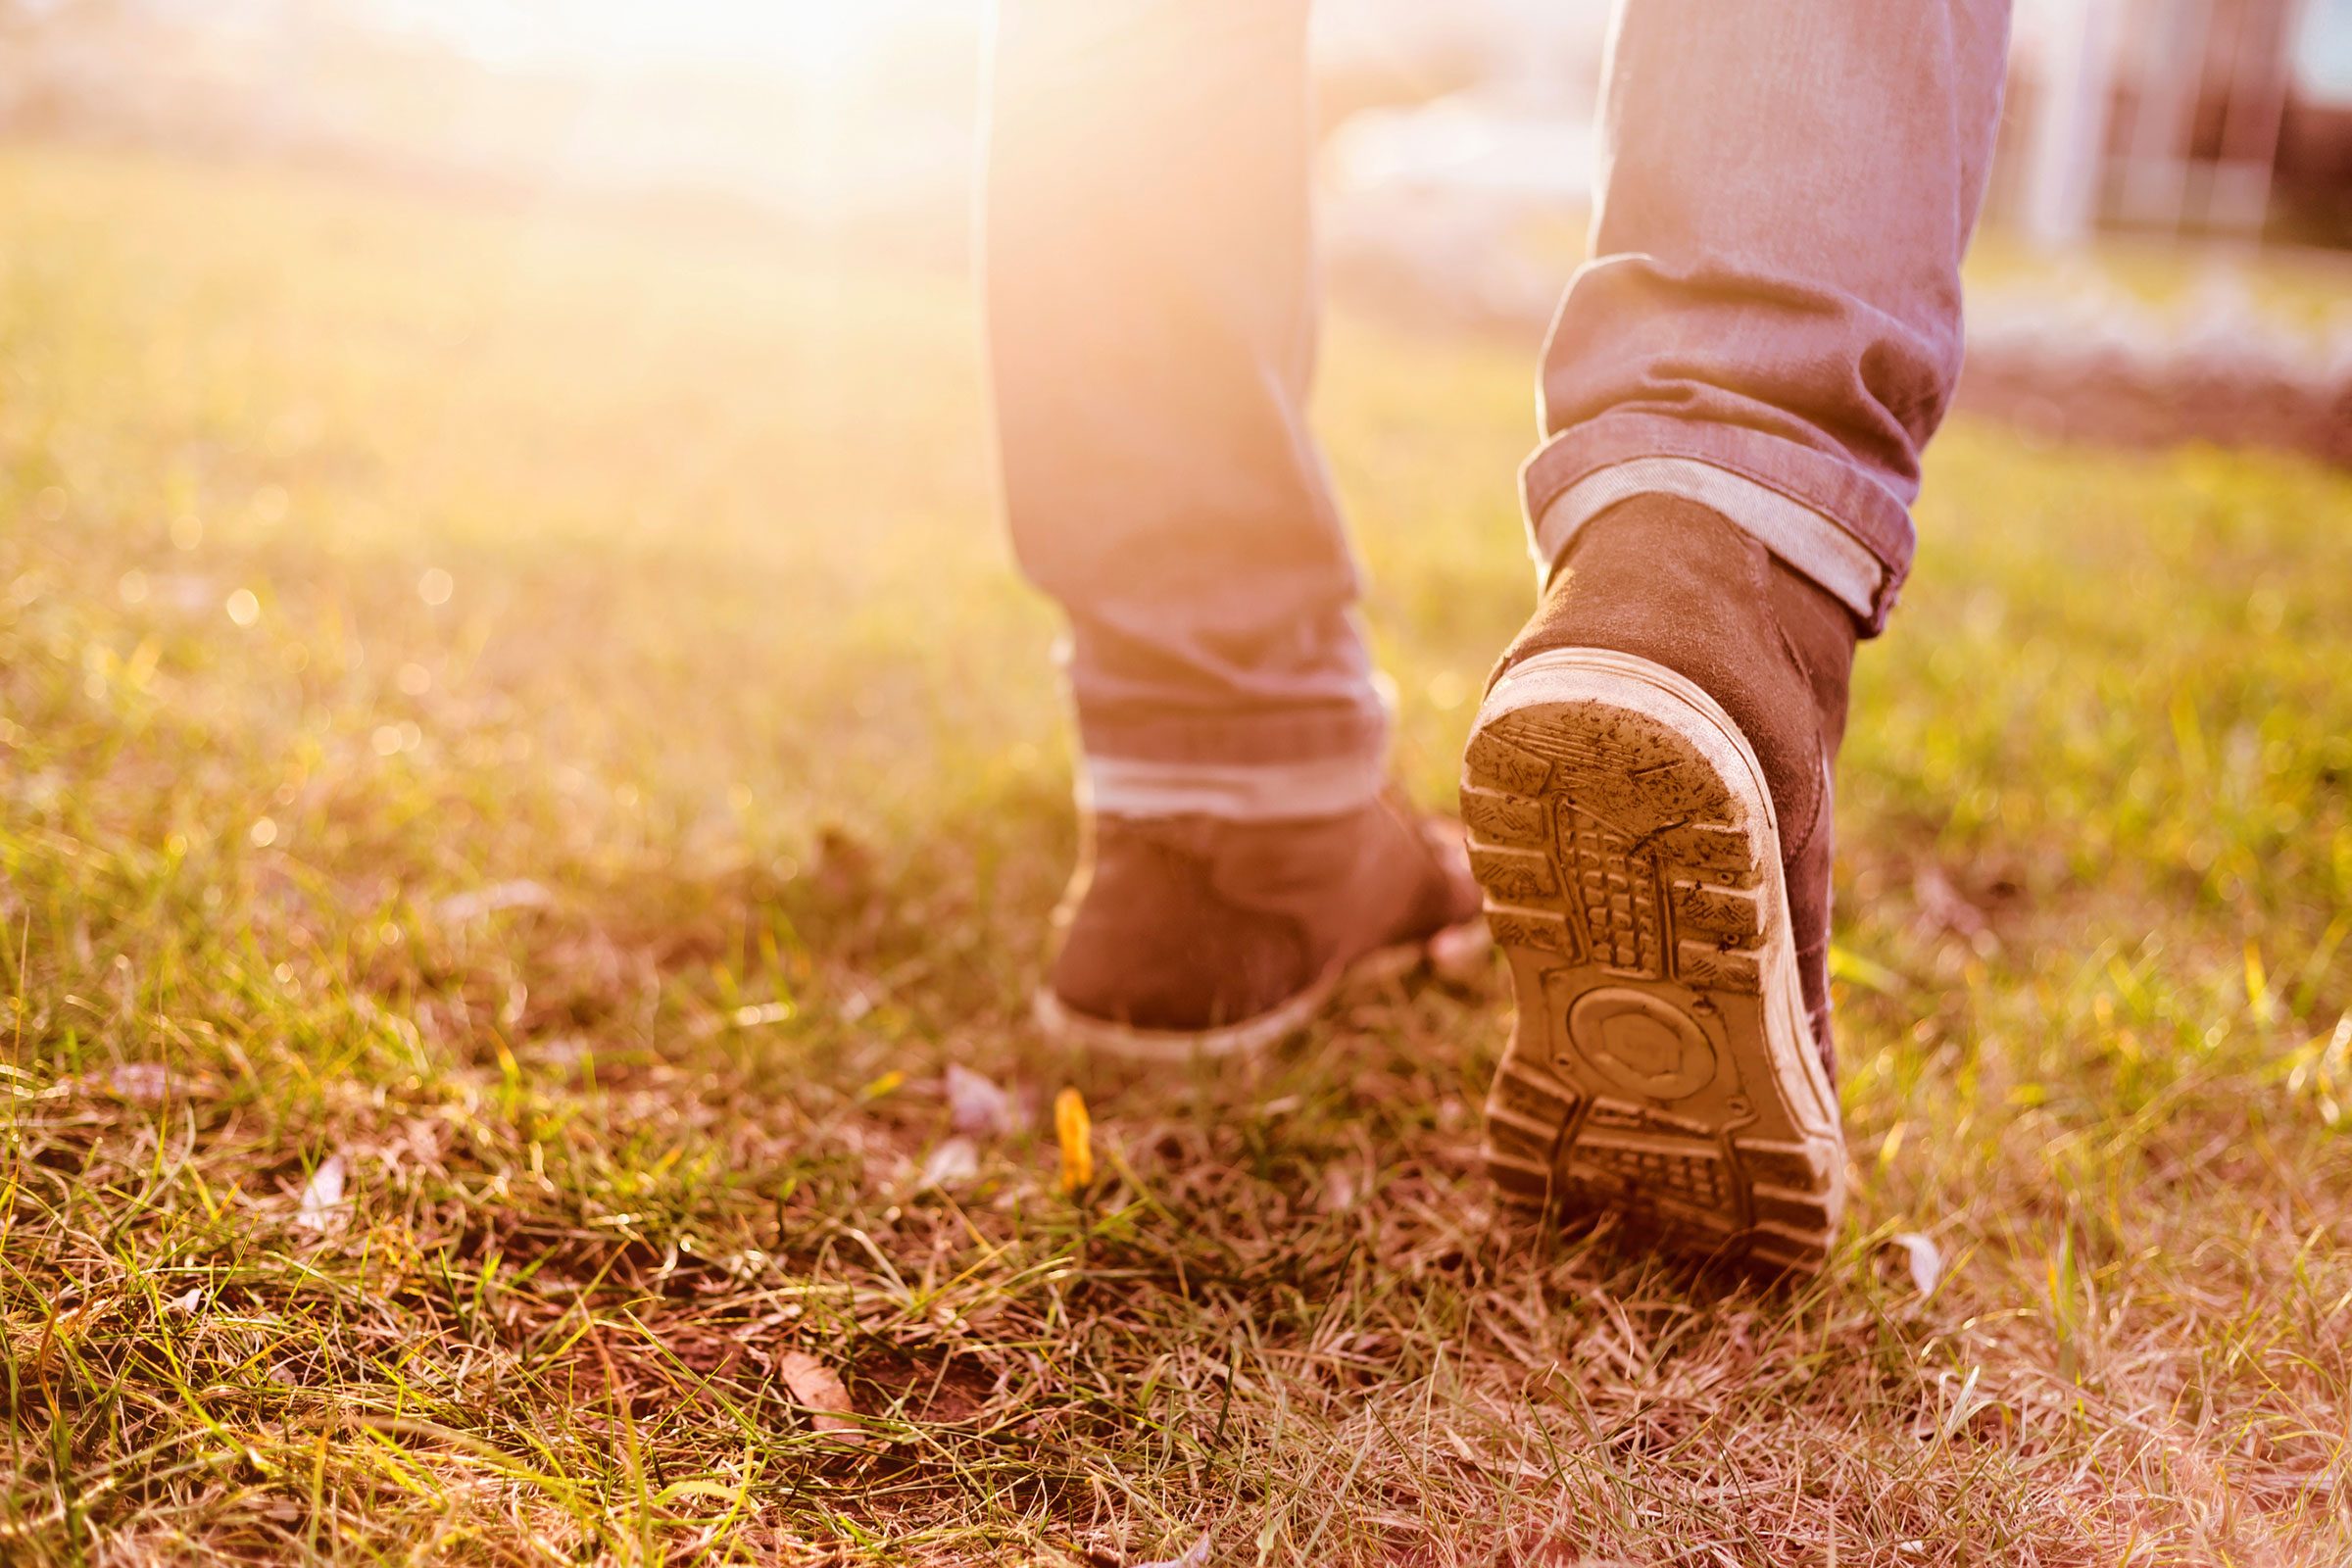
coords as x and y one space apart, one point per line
1823 482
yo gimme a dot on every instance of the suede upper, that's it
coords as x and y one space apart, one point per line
1196 922
1675 583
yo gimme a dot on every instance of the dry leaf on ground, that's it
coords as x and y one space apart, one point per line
816 1387
951 1163
142 1083
1461 953
321 1196
1926 1260
523 894
978 1104
1197 1557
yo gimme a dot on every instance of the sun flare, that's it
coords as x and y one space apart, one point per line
810 40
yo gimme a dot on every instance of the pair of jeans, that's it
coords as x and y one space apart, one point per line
1769 325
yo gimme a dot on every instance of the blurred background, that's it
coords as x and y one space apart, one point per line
2153 151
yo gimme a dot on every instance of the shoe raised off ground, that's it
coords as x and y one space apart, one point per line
1648 795
1192 938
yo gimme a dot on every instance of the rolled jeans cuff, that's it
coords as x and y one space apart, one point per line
1256 767
1841 528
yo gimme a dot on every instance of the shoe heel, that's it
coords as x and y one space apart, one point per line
1661 1068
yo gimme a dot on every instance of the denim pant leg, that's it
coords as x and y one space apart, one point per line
1150 314
1770 323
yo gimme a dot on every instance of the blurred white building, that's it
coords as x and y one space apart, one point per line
2168 114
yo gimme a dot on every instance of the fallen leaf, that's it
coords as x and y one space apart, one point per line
321 1196
188 1302
522 894
1925 1259
562 1052
142 1083
1460 954
815 1387
1076 1130
976 1104
1198 1557
952 1162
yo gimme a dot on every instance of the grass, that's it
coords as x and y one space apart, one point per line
528 714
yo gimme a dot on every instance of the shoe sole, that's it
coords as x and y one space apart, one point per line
1661 1068
1451 950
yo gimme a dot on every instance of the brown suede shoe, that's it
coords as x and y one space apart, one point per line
1195 937
1647 789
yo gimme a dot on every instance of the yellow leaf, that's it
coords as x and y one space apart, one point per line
1076 1130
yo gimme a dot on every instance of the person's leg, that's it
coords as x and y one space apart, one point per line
1151 325
1770 323
1152 316
1736 393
